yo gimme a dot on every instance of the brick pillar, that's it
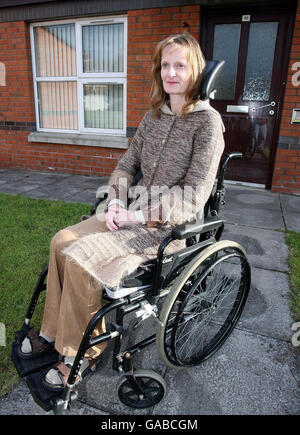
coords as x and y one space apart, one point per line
286 176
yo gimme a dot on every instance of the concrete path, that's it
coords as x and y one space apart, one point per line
257 371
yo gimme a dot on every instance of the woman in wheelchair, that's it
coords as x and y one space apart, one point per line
177 147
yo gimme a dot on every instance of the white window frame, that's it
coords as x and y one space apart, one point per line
83 78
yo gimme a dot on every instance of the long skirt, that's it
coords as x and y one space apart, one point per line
73 296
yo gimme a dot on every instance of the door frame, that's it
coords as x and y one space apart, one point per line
289 9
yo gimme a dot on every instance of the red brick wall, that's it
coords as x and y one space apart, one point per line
16 152
286 176
145 29
16 98
17 115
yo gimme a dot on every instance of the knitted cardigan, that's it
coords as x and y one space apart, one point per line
179 160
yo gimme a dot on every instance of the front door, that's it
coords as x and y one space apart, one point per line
253 46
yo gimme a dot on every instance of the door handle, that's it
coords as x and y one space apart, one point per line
253 109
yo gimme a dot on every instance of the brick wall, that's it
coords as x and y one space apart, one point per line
17 114
145 29
16 97
286 175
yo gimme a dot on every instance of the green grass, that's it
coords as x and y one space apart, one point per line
293 242
26 228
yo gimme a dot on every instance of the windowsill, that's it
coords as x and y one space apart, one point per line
93 140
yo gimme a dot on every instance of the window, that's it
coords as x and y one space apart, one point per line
79 71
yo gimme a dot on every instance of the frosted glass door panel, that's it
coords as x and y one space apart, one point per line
226 47
260 57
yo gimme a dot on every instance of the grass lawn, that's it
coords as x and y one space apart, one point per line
293 242
26 228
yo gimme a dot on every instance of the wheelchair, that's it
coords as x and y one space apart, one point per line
196 296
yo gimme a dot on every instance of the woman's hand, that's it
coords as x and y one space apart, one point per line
117 216
126 217
110 217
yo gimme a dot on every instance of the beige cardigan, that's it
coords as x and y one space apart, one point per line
179 160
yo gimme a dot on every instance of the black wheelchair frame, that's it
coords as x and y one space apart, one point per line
182 280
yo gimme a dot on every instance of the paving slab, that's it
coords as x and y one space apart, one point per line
11 175
53 186
20 402
265 248
250 375
54 191
267 309
291 211
43 178
18 187
80 181
87 196
253 207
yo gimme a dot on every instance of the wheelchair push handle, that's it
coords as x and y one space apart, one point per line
235 155
227 157
230 156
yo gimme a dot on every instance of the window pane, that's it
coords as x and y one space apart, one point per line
102 48
226 47
55 51
103 106
58 105
258 76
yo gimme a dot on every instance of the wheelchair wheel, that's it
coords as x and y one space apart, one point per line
141 389
204 305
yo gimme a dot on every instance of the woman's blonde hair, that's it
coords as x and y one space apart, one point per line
196 59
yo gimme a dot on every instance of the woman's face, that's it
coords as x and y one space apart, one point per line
176 71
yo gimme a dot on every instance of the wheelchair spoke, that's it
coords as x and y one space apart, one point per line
204 314
204 310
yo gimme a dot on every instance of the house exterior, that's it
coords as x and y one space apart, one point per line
75 81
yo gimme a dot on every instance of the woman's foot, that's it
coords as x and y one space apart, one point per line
56 378
34 345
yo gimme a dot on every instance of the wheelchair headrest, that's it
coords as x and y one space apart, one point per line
210 76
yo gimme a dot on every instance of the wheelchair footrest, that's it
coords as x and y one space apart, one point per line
46 399
25 367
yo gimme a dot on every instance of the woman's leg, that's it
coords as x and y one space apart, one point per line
72 296
81 298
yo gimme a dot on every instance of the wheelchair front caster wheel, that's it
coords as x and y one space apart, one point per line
141 389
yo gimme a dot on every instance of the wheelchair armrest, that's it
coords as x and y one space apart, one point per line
97 201
195 228
102 192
